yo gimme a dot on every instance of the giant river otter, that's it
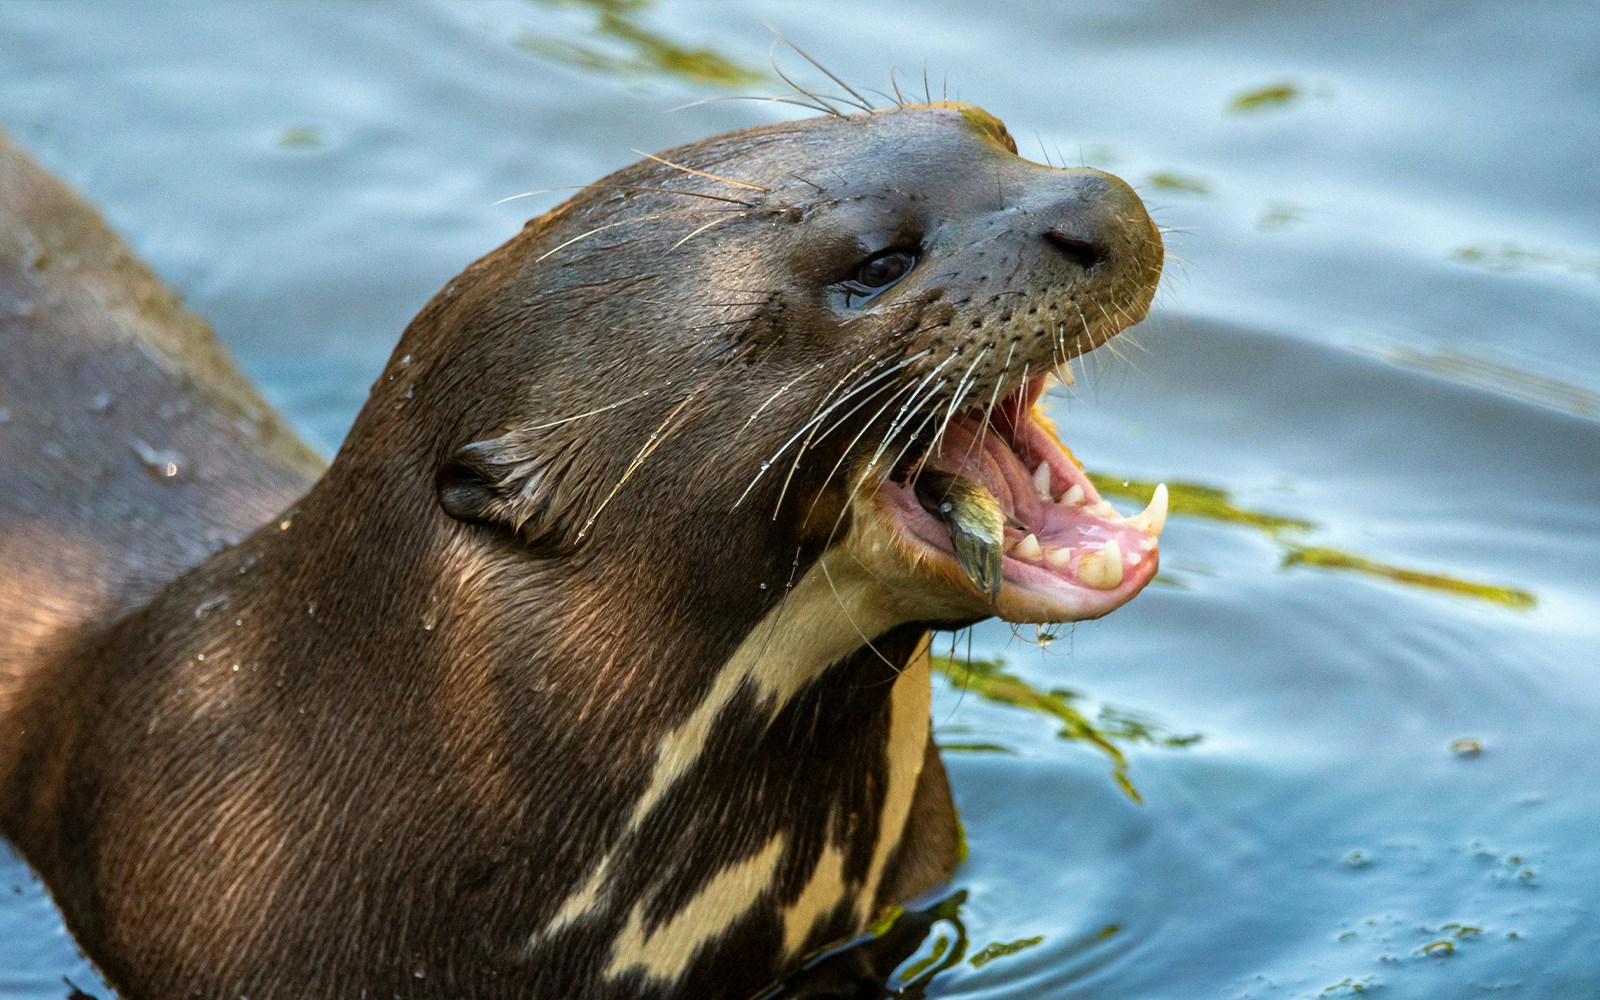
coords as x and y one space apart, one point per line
595 662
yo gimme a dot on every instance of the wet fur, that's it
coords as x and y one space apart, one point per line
382 741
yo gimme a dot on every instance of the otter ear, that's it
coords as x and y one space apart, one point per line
504 483
476 485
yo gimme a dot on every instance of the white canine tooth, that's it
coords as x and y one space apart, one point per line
1074 495
1058 558
1029 548
1154 517
1041 481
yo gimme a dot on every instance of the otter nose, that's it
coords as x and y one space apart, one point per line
1093 220
1084 252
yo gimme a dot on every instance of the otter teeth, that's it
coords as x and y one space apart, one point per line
1029 549
1072 496
1102 570
1058 558
1041 481
1153 518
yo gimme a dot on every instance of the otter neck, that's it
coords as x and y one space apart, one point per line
672 794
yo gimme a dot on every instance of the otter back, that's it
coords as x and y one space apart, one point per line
130 446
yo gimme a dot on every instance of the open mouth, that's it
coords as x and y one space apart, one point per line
1000 501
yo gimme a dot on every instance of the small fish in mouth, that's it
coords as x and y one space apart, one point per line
976 522
998 502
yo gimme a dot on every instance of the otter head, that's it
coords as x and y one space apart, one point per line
806 351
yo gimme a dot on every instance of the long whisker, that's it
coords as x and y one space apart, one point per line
962 390
866 473
861 102
783 603
901 417
631 189
598 229
590 413
988 411
899 98
762 100
866 639
772 57
657 437
807 426
820 413
849 448
612 225
774 397
699 230
701 173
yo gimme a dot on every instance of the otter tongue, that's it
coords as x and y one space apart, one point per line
975 521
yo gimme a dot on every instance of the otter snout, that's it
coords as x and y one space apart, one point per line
1096 221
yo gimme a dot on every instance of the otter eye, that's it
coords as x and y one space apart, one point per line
878 273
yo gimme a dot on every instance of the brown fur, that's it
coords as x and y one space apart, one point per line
383 742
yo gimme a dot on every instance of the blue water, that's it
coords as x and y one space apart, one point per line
1379 319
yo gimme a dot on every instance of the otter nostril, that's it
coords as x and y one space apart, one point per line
1084 253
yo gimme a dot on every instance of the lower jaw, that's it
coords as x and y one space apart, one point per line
1068 556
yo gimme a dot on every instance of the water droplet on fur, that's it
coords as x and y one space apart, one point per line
162 463
210 604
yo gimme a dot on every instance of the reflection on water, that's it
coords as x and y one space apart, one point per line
1111 729
301 137
1194 500
621 45
1506 257
1273 95
1499 376
1384 802
1306 555
1175 183
903 957
896 960
1214 504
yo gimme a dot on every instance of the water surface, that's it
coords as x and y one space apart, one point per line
1372 364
